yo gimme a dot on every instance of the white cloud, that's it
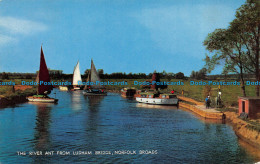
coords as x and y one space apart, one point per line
12 28
20 26
6 39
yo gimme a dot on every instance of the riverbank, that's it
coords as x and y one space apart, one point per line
245 130
15 95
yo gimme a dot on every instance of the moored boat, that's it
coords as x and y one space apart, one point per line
76 78
43 87
128 92
42 98
94 92
93 87
155 96
63 88
157 99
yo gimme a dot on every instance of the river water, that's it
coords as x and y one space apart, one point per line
112 125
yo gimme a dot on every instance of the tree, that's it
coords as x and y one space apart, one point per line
228 50
28 76
247 26
5 75
201 74
179 75
101 73
193 74
238 45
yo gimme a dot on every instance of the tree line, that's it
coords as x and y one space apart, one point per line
58 74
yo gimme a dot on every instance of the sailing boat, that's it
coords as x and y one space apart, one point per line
93 87
43 85
76 78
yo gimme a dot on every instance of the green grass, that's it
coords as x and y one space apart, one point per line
7 91
253 125
229 96
226 109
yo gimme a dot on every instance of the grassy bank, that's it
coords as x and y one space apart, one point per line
11 95
198 92
7 91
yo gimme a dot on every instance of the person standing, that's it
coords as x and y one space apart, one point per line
207 101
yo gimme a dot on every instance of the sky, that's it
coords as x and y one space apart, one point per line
137 36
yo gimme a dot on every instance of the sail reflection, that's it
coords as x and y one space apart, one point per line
43 119
93 101
76 103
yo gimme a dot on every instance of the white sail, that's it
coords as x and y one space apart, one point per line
76 75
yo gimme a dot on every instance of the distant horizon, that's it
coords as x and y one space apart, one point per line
120 36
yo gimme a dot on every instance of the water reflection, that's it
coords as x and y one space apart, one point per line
93 120
93 102
42 125
76 103
113 123
250 149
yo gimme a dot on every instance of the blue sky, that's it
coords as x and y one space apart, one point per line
120 35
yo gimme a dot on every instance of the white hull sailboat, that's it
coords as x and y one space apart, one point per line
43 89
41 99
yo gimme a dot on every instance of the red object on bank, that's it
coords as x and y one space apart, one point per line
172 92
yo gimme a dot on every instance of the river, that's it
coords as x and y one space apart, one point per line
112 129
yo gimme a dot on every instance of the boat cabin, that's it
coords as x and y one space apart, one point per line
167 96
161 96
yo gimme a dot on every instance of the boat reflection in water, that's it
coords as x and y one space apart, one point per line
76 100
94 101
93 125
42 125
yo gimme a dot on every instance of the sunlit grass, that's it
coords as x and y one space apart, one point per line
229 93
